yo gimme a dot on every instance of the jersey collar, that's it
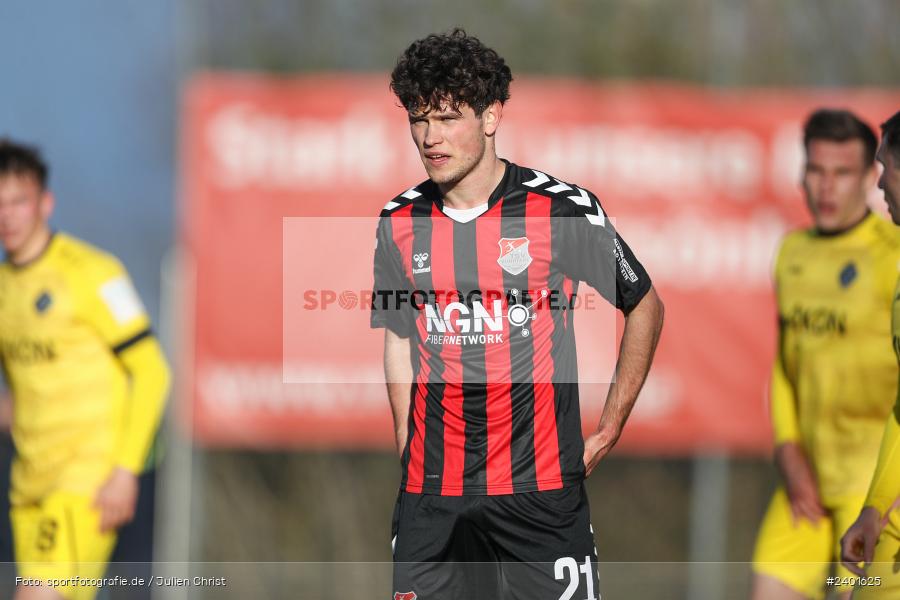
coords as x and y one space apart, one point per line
432 192
860 225
44 252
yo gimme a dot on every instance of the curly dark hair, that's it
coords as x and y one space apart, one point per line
890 131
839 125
19 159
450 69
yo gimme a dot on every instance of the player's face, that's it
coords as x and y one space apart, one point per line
24 210
836 181
451 143
890 180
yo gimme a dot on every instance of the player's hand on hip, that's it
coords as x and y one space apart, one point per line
116 499
858 543
800 483
596 446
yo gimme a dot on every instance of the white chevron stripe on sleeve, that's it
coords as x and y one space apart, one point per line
596 219
540 179
582 199
559 187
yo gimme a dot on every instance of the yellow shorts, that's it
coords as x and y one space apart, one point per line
59 542
882 580
801 556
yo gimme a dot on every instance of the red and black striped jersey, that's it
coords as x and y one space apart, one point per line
488 304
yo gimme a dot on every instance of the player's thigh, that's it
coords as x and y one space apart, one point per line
882 580
439 551
60 539
546 544
796 554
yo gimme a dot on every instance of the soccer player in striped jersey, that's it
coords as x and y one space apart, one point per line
88 382
874 539
475 271
834 375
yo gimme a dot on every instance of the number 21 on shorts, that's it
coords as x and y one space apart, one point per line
570 565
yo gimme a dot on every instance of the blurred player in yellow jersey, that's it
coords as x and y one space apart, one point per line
88 381
835 375
875 536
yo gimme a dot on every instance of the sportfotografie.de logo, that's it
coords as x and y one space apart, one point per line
453 317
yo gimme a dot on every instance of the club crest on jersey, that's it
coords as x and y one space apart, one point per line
514 256
405 596
43 302
848 274
420 259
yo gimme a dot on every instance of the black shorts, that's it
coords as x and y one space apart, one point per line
527 546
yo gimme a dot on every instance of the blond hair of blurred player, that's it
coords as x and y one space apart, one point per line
834 376
88 381
875 536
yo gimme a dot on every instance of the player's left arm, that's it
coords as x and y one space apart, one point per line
114 309
643 325
592 251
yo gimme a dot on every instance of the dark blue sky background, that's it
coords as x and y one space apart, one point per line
93 83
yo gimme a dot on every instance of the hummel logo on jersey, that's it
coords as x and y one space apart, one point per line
514 256
420 259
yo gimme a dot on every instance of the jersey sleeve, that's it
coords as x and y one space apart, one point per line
112 306
784 404
885 487
785 424
592 251
390 285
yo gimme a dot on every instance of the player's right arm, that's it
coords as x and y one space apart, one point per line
790 458
398 375
394 316
111 305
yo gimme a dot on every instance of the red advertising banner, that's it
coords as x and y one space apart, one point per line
284 179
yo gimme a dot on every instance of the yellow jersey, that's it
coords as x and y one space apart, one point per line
835 375
87 377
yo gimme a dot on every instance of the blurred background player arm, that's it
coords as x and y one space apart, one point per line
885 487
790 458
149 376
858 544
115 311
